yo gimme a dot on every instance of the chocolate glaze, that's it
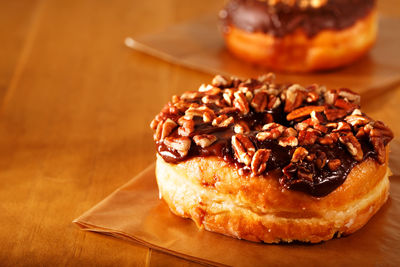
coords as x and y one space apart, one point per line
281 19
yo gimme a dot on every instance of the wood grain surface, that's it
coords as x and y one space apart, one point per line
75 105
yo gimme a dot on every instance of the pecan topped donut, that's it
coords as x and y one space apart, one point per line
271 162
313 135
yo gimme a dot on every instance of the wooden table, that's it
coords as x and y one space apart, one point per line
75 105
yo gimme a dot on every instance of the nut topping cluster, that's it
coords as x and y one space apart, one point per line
310 133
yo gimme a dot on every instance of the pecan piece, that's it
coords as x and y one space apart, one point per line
342 127
289 132
304 111
191 95
273 102
349 95
222 121
270 131
221 81
334 164
187 126
320 159
240 102
228 96
164 128
308 137
333 114
243 148
299 154
288 141
179 144
267 78
343 104
206 113
259 161
356 120
294 97
204 140
353 146
241 127
260 101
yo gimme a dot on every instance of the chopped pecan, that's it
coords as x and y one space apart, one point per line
356 120
301 126
175 99
312 97
326 140
349 95
308 136
240 102
267 78
191 95
179 144
356 112
260 101
273 102
289 132
342 127
294 97
259 161
204 140
304 111
379 129
206 113
221 81
379 147
330 97
213 99
334 164
288 141
164 128
243 148
206 87
214 91
320 160
299 154
187 126
271 131
343 104
353 146
333 114
228 96
241 127
222 121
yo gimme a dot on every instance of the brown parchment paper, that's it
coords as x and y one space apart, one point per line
135 213
198 44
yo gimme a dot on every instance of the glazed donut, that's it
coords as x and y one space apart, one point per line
299 36
270 162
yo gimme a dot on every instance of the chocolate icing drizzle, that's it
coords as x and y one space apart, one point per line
281 19
324 180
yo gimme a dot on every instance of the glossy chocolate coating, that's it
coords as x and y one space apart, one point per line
281 19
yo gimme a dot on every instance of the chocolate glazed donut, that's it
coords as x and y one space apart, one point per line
299 36
268 162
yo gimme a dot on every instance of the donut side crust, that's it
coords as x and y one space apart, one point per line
296 52
217 198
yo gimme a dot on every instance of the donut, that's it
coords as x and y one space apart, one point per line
269 162
299 36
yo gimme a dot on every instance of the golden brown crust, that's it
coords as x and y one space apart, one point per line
297 53
213 193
